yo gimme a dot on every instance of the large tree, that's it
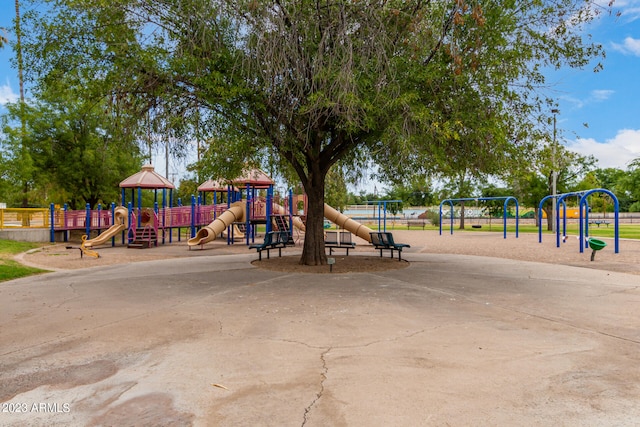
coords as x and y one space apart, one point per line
308 84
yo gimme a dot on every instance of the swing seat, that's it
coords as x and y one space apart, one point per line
476 226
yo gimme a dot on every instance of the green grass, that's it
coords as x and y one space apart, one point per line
627 231
10 269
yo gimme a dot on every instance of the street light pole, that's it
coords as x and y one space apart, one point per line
554 172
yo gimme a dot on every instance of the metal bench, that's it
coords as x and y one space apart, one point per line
416 223
272 240
383 241
338 240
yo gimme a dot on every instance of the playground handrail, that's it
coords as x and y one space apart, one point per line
24 218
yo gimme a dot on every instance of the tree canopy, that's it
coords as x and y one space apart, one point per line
413 86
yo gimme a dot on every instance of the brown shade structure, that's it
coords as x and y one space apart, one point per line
147 179
256 178
213 186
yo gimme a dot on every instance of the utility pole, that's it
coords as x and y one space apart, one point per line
554 172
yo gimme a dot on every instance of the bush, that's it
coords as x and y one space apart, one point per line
433 217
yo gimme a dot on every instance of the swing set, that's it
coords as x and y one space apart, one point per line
506 199
583 209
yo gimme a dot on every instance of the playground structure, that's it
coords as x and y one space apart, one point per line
583 224
120 224
506 199
248 202
208 233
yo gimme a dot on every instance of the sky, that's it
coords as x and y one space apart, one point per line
599 113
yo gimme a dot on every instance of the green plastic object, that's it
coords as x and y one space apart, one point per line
596 244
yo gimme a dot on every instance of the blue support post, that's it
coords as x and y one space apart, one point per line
99 217
87 222
179 231
113 221
269 208
248 213
66 231
139 206
199 221
540 211
384 212
290 210
129 217
193 216
215 203
52 235
155 223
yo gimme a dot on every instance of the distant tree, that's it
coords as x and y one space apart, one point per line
73 150
533 181
610 179
629 185
495 207
417 192
461 183
186 189
336 194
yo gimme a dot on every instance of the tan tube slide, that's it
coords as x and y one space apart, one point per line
119 224
347 223
209 232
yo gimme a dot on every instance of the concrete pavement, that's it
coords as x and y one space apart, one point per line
211 340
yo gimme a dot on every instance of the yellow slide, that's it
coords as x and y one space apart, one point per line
119 224
209 233
347 223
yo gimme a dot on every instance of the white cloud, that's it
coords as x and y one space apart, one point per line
614 153
7 94
601 94
595 96
629 10
630 46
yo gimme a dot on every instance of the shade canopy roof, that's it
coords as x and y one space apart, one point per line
255 178
212 185
147 178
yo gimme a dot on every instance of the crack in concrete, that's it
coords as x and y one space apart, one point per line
75 296
323 378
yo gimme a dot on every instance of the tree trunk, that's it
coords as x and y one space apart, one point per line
461 215
313 252
550 218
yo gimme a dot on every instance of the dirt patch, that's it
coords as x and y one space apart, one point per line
343 264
